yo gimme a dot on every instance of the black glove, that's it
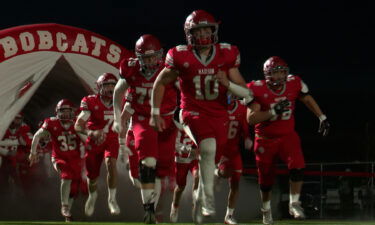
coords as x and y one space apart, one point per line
324 127
281 106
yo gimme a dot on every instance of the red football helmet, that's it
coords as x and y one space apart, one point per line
201 18
104 89
271 66
61 111
149 53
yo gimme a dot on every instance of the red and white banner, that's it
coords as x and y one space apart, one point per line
29 53
58 38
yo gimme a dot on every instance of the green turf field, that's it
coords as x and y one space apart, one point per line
280 222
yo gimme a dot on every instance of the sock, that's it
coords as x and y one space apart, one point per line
157 189
229 211
65 191
293 198
266 205
112 194
147 196
71 200
93 195
206 172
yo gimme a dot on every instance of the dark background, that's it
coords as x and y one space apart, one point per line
328 43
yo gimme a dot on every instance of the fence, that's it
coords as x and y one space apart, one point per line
331 190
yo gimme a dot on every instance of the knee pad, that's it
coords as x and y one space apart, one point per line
149 162
265 188
147 174
296 175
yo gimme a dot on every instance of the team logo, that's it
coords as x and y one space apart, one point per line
265 95
186 65
55 128
261 150
141 118
96 107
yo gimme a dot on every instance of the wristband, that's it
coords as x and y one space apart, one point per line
322 117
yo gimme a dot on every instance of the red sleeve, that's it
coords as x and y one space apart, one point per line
46 124
85 103
128 67
251 87
231 55
234 57
170 59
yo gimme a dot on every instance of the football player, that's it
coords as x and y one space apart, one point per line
272 113
66 155
94 127
156 149
186 159
207 70
230 164
15 147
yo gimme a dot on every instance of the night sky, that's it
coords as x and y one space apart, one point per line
326 42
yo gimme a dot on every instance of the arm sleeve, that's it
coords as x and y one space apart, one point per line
84 115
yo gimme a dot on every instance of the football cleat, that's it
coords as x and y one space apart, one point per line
197 209
229 219
68 219
149 217
267 216
174 214
113 207
296 210
90 205
65 211
209 208
208 212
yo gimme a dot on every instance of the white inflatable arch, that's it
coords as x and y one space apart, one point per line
28 54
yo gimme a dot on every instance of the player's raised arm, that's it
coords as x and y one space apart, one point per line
41 133
165 77
118 95
313 106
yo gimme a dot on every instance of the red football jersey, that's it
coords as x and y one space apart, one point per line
238 126
22 134
101 116
65 141
140 89
200 91
185 145
263 95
